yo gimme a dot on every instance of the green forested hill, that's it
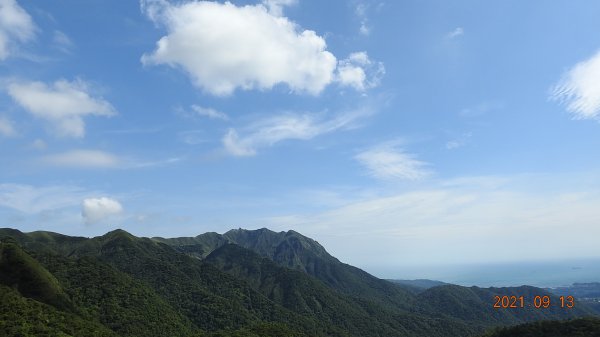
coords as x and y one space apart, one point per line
22 272
295 251
305 294
582 327
25 317
243 283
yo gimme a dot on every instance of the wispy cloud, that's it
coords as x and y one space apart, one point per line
579 89
457 221
34 199
83 159
480 109
7 128
155 163
59 201
38 144
459 141
209 112
16 27
62 41
361 12
63 104
192 137
388 161
134 130
95 159
270 131
457 32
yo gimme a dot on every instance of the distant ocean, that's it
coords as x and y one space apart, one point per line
539 274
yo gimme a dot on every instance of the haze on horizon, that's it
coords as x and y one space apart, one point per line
397 134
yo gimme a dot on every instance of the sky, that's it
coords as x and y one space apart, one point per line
395 133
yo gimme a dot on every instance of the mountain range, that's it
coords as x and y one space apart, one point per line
240 283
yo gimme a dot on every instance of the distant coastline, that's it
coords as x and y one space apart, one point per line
545 274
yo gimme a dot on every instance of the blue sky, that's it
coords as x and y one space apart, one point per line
425 132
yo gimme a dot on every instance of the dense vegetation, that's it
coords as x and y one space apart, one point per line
582 327
21 316
242 283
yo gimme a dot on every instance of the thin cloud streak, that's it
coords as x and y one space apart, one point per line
82 159
464 221
388 161
209 112
33 199
272 130
95 159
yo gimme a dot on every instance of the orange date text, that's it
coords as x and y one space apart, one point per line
537 302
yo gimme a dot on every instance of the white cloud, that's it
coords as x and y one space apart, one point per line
63 104
7 128
94 210
16 27
276 6
223 47
359 72
579 89
83 159
210 113
273 130
387 161
458 31
352 76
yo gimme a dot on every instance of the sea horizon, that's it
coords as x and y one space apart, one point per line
544 274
